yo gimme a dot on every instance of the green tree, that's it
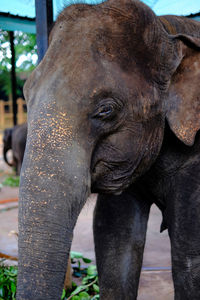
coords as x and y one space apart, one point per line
26 56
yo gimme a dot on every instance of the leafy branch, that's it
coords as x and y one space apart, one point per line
88 290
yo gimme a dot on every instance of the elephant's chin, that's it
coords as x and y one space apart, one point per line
111 182
105 186
107 189
108 180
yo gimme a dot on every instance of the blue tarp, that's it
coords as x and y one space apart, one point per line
26 8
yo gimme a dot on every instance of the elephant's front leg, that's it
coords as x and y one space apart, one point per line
120 224
183 217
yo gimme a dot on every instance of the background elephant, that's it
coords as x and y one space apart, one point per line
113 108
15 139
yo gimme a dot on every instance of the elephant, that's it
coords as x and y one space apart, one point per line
15 138
113 109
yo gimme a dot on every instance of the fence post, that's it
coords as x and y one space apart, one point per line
10 107
20 103
2 113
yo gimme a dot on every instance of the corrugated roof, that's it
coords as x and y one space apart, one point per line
11 23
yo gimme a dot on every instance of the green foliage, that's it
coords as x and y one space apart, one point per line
77 258
8 281
12 181
88 290
25 47
5 83
25 44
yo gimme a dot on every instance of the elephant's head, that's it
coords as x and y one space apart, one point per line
97 105
7 144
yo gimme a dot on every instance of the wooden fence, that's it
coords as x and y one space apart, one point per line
6 113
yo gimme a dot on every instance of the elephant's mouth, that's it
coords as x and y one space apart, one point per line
102 188
111 178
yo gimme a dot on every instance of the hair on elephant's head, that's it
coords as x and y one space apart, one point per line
98 101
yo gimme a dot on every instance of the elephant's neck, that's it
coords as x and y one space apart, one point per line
174 163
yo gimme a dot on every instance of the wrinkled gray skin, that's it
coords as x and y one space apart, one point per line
15 139
113 108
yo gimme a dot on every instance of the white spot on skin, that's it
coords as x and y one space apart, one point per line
189 262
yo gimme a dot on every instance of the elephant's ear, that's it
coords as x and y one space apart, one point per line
183 104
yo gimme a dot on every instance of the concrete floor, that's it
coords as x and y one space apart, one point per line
154 284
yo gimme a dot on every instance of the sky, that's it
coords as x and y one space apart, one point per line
27 7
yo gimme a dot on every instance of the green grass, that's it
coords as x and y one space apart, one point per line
88 289
12 181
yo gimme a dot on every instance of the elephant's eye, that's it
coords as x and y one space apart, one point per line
106 110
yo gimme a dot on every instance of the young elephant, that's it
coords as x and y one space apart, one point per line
15 139
113 108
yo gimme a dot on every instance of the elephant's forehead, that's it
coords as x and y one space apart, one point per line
76 58
84 35
91 51
79 43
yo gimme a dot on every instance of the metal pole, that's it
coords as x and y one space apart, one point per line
13 77
44 21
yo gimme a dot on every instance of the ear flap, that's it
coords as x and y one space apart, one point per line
183 104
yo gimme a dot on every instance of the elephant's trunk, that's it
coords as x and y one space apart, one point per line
54 187
5 150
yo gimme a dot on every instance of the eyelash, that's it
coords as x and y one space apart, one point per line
107 109
104 111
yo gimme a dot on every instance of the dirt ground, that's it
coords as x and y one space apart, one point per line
155 282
